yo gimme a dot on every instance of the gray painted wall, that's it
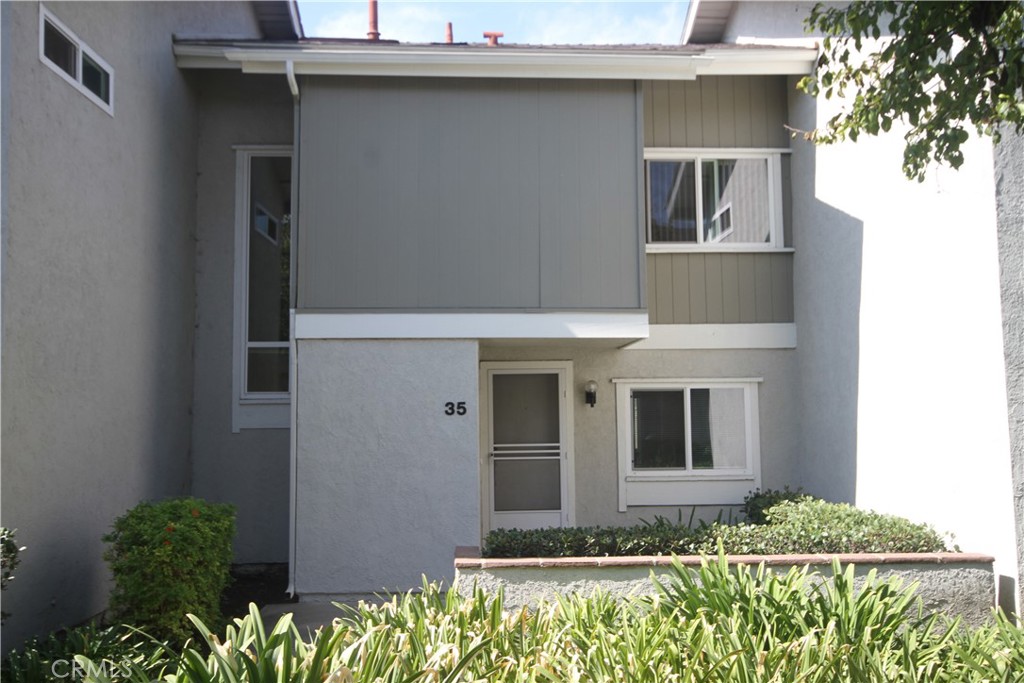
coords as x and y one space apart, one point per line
386 482
469 193
1009 171
720 288
98 293
595 442
248 469
716 111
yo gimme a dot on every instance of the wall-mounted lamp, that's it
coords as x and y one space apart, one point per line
590 393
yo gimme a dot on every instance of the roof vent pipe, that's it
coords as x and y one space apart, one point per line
373 33
492 37
448 37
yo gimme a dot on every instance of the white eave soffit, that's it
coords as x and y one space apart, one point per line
498 63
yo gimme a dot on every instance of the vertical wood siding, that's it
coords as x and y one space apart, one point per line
709 288
469 194
716 111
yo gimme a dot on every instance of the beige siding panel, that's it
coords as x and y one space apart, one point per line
716 111
709 112
713 287
698 290
763 287
692 114
747 288
652 291
759 104
782 287
776 113
648 104
726 113
744 114
662 114
730 288
680 292
663 278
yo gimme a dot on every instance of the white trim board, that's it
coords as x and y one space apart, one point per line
553 325
737 336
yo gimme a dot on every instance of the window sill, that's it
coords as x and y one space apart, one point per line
666 248
691 476
695 491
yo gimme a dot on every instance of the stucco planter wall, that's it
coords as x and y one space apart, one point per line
952 583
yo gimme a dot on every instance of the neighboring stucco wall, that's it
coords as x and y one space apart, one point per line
387 484
250 468
595 441
902 384
98 292
1009 182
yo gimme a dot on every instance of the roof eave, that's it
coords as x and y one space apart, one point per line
492 63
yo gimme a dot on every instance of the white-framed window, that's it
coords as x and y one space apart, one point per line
74 61
687 441
713 199
262 287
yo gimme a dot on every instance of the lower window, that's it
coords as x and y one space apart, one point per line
687 442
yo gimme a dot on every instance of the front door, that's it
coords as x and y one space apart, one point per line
528 447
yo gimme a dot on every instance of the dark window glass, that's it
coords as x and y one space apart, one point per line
59 49
659 429
95 78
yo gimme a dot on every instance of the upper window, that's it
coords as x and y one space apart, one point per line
75 62
723 200
263 288
684 442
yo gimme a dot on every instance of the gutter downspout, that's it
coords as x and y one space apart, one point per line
293 84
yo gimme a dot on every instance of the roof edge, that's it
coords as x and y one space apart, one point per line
483 62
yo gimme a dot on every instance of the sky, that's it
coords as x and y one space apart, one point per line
538 22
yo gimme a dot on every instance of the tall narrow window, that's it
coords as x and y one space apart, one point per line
268 276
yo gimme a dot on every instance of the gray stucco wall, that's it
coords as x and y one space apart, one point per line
1009 176
470 193
596 459
387 484
98 292
250 468
826 285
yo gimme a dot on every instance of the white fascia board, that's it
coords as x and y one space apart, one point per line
497 63
730 336
553 325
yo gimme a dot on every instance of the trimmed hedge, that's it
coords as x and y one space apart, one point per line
803 526
169 558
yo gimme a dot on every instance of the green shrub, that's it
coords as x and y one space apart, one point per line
758 502
9 560
717 624
113 650
805 525
660 537
817 526
169 558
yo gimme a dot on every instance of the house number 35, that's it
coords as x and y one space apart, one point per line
452 408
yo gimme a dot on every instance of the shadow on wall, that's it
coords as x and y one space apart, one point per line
827 295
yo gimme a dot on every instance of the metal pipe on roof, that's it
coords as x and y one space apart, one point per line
373 33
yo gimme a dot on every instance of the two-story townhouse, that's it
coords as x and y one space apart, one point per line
384 297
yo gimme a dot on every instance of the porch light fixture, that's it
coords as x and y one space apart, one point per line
590 393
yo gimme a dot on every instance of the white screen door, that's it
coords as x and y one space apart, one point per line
527 448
